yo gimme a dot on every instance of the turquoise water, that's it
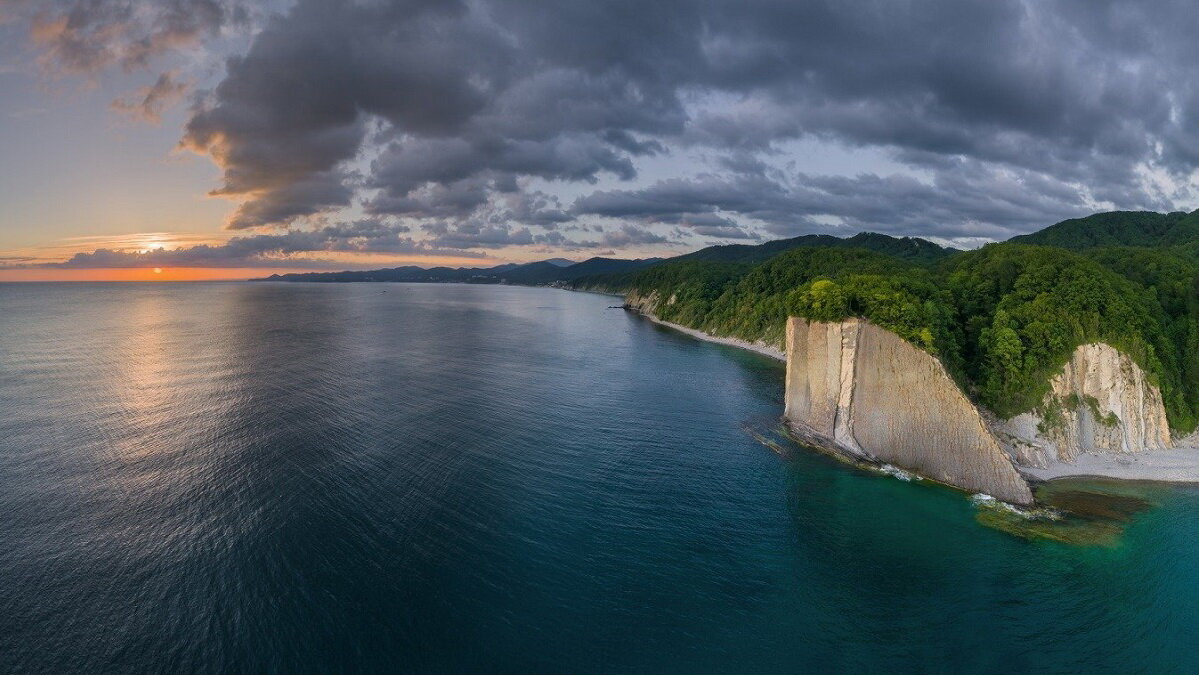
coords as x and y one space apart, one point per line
315 478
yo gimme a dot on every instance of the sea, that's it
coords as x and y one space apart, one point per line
292 477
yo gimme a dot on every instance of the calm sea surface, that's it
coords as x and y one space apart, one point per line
294 477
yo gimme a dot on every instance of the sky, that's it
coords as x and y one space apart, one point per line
200 139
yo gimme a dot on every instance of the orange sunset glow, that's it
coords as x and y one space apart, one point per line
40 263
142 274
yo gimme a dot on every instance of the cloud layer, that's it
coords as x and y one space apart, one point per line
267 250
495 123
86 36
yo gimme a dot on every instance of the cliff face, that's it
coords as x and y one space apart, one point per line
642 303
864 391
1100 403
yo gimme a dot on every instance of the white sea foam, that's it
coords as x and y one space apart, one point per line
986 501
899 473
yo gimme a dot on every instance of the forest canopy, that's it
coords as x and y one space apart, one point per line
1003 319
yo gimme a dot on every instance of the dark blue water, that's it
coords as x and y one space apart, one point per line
262 477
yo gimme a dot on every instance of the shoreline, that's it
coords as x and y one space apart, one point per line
1176 465
764 350
1179 465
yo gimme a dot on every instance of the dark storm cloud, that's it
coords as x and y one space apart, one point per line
264 250
708 225
471 234
479 95
967 199
464 101
535 208
1002 115
627 235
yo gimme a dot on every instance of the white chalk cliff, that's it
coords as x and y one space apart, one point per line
861 390
1100 403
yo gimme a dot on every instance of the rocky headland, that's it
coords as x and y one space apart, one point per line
861 390
865 393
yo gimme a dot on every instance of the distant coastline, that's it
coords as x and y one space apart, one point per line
742 291
760 348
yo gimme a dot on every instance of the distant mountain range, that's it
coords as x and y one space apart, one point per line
906 248
1117 228
1002 319
560 270
530 274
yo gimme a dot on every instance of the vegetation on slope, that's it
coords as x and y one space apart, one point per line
1118 228
753 302
1023 310
1002 319
912 249
905 248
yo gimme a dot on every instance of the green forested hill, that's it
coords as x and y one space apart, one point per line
1022 311
1003 319
1119 228
906 248
614 273
910 249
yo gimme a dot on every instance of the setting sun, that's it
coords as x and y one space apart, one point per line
158 270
